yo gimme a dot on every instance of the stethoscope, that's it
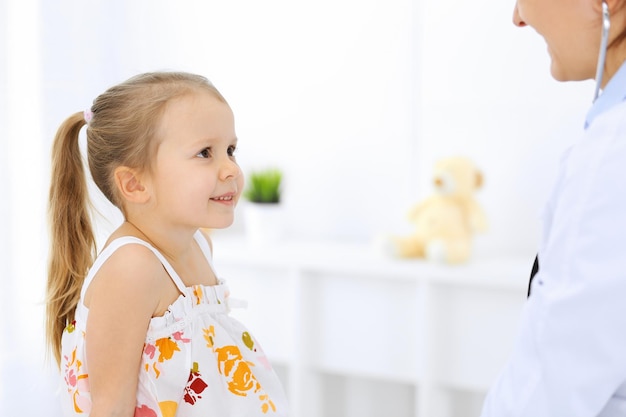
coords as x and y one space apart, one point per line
606 25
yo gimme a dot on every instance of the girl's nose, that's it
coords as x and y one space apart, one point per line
517 19
230 169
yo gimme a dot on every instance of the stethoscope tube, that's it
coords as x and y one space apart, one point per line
606 25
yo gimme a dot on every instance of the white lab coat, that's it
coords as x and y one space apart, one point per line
570 356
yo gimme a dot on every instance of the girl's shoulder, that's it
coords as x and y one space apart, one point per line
125 266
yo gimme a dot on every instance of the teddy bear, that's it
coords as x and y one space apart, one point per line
446 221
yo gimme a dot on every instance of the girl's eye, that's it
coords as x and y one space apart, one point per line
231 150
205 153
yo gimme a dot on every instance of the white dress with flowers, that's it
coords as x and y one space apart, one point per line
196 361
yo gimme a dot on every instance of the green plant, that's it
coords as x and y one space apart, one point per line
264 186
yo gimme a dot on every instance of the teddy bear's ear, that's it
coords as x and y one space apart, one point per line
479 179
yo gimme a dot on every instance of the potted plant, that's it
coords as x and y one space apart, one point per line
264 187
263 215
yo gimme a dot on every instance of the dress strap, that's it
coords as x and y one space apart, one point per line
118 243
204 246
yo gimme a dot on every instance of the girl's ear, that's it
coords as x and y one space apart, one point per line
129 185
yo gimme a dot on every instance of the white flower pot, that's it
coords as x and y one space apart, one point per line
264 222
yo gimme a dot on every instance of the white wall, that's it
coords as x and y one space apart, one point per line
26 386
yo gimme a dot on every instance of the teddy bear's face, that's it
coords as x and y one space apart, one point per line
456 176
445 183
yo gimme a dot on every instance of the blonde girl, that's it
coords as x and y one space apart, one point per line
142 328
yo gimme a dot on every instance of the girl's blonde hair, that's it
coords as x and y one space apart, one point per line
120 132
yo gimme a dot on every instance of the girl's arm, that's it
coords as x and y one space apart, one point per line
121 300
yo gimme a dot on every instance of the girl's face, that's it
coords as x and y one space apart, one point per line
572 31
195 180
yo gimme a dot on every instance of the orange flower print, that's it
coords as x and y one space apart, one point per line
166 347
77 383
168 408
228 357
243 379
197 291
208 336
238 372
268 404
231 364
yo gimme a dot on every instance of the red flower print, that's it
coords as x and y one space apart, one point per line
195 386
70 378
149 350
145 411
179 336
77 383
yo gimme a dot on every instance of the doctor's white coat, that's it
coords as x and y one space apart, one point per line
570 356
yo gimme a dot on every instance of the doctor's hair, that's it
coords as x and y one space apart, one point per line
122 130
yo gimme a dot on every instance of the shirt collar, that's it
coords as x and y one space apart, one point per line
614 92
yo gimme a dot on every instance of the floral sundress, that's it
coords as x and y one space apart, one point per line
196 361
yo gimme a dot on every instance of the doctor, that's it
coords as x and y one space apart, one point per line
570 356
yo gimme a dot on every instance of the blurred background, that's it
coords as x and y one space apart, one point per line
355 100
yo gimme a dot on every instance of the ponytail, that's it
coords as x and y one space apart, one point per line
72 239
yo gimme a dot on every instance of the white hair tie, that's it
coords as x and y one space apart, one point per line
88 115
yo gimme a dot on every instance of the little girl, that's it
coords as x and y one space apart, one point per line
144 329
